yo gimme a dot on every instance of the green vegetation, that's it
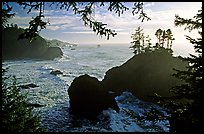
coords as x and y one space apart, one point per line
153 116
16 116
84 9
188 116
6 15
164 37
139 41
185 106
142 43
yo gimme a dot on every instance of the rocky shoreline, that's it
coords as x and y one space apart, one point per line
143 75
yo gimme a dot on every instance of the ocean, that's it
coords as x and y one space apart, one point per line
51 92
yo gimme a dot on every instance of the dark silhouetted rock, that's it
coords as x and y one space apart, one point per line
35 105
56 72
88 98
14 49
28 86
52 52
145 74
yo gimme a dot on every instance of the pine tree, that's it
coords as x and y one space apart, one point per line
16 115
163 38
158 34
185 107
170 38
149 47
142 43
138 41
188 116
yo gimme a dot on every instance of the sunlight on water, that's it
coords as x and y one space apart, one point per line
52 90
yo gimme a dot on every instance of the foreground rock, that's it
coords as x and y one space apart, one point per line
144 75
88 98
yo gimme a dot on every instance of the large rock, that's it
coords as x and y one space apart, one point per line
88 98
52 52
12 48
145 74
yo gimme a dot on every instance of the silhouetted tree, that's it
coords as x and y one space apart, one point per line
84 9
138 41
190 117
169 37
6 15
186 106
148 47
163 38
158 34
142 43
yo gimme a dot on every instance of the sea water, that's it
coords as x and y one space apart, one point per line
51 92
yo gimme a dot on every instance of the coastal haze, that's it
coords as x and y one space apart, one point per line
66 26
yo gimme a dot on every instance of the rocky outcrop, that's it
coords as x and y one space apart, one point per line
145 74
56 72
17 49
88 98
52 52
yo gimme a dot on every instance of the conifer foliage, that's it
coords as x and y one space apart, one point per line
186 106
142 43
16 115
188 117
86 10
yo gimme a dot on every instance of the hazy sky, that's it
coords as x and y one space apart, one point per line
66 26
